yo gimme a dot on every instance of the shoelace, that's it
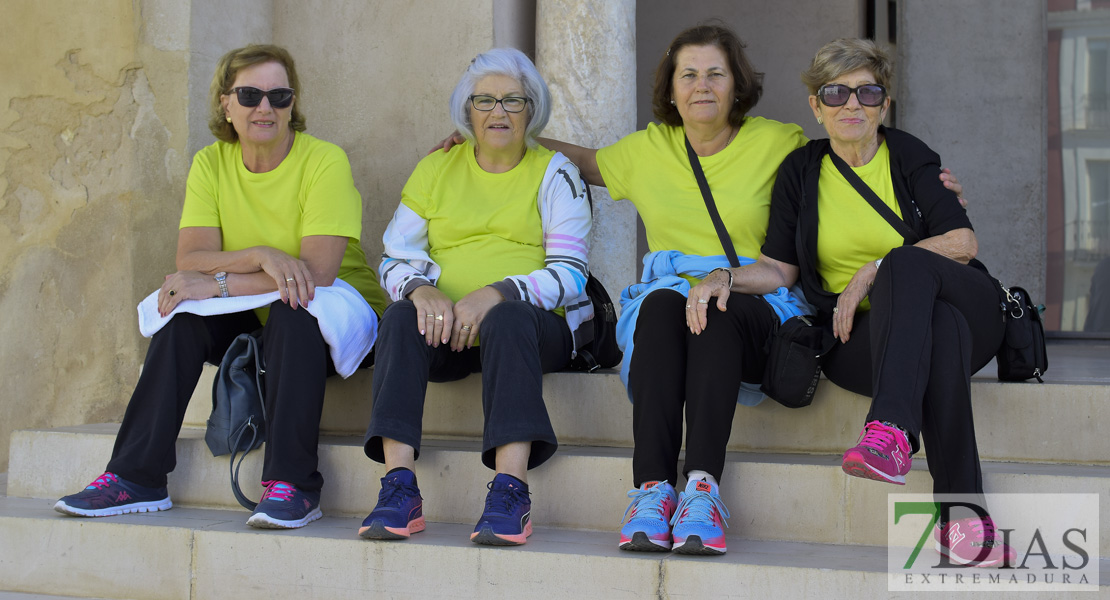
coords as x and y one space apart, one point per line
699 506
394 493
648 503
103 481
879 436
984 532
504 499
278 490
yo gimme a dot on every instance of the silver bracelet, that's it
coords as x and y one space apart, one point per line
729 271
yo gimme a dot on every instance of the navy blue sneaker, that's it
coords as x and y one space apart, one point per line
283 506
507 520
111 495
400 509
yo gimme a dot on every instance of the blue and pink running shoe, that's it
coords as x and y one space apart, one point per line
400 509
285 506
507 520
699 520
111 495
647 520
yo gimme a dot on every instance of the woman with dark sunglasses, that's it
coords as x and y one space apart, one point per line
270 212
914 313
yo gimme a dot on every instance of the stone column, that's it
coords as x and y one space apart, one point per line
586 50
514 25
972 80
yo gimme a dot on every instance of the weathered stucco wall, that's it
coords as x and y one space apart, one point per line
91 161
97 130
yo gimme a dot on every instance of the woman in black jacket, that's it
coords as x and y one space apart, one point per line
896 277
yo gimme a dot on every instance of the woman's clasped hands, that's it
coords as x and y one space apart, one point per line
441 321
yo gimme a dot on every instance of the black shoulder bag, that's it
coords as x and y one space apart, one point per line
602 351
796 347
238 420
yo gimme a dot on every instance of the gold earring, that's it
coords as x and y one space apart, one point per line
228 119
820 121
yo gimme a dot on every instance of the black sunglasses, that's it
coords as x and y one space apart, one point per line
252 96
837 94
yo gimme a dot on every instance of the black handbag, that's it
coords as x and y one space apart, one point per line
1023 354
797 347
238 420
601 352
795 352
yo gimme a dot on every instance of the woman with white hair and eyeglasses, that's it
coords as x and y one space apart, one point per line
485 260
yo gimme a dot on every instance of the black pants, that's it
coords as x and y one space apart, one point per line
518 344
933 323
297 362
673 369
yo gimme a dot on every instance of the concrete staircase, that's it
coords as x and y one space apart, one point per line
799 527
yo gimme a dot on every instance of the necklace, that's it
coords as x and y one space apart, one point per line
732 135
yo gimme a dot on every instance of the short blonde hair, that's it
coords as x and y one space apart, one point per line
228 69
844 56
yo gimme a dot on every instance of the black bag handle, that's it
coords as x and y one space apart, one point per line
872 198
250 425
707 195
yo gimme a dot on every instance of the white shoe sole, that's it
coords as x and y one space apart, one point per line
135 507
265 521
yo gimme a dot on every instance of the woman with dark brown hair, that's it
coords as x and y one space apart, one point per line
675 363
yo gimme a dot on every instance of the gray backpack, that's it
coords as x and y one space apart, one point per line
238 420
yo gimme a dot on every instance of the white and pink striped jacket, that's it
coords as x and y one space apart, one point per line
566 218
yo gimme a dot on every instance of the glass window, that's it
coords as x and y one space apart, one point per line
1078 261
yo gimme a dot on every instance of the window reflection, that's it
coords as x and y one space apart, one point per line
1079 166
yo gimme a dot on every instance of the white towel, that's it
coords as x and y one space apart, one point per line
347 323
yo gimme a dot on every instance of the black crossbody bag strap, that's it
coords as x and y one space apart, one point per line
707 195
873 199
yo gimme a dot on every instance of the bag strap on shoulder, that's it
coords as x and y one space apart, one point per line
707 195
873 199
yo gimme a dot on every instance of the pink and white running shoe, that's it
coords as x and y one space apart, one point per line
882 454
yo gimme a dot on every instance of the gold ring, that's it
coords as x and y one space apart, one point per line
466 327
172 292
430 315
439 317
289 279
687 307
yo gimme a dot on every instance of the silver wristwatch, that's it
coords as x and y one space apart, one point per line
221 280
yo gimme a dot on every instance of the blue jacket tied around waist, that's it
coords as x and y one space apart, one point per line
661 271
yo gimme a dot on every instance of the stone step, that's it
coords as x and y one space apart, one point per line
772 496
1027 422
191 553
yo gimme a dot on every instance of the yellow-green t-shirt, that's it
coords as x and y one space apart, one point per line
850 233
482 227
310 193
650 168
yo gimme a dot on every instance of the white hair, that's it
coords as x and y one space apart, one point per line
513 63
